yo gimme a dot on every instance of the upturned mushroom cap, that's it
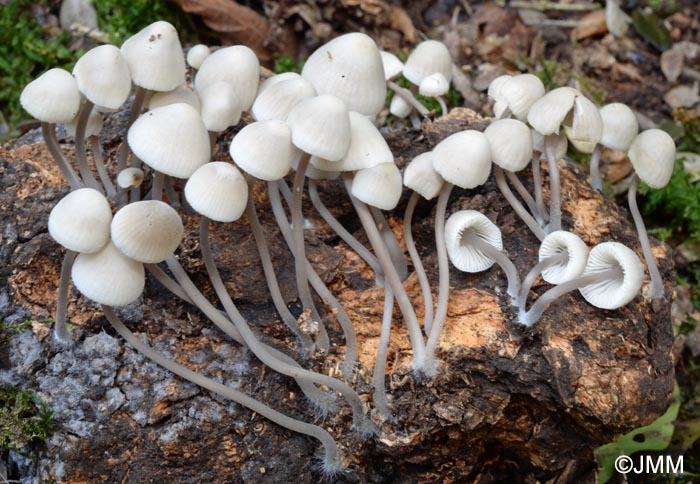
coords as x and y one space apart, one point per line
103 76
547 114
420 176
171 139
220 106
80 221
321 127
511 144
576 250
367 148
264 149
429 57
218 191
52 97
181 94
238 65
399 107
92 128
155 59
147 231
521 92
614 293
130 177
350 68
108 277
463 256
392 65
620 126
463 159
196 55
653 154
584 126
277 99
379 186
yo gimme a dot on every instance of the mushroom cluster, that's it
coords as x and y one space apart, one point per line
320 124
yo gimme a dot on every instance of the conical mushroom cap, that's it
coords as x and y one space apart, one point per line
155 59
147 231
379 186
547 114
620 126
171 139
420 176
277 99
196 55
429 57
511 144
586 126
576 251
350 68
238 65
463 256
80 221
463 159
218 191
392 65
434 85
108 277
399 107
613 293
264 149
521 92
495 87
653 154
181 94
220 106
103 76
52 97
321 127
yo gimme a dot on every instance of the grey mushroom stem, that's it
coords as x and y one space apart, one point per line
530 317
525 195
157 187
379 374
136 107
418 263
516 205
408 97
537 183
94 142
69 174
535 273
80 151
443 105
60 332
497 256
554 185
397 256
656 290
173 197
596 181
332 459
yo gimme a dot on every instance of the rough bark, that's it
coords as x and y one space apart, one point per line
509 402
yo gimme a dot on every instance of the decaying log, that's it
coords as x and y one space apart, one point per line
508 402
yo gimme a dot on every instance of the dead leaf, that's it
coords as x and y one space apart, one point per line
672 62
626 71
240 24
682 97
590 24
399 20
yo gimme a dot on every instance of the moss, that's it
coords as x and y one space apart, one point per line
24 418
8 330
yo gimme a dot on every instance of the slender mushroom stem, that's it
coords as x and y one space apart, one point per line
69 174
364 253
286 192
300 252
443 278
408 97
656 289
157 186
94 142
525 195
417 263
443 106
537 182
319 286
516 205
80 152
60 332
415 120
332 460
534 274
533 315
554 185
378 376
170 192
269 270
392 277
136 106
212 142
596 181
397 256
362 424
497 256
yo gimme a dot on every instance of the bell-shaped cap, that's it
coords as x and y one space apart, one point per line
511 144
547 114
155 59
429 57
103 76
616 292
171 139
653 154
108 277
463 255
221 106
495 87
620 126
350 68
264 149
80 221
463 159
238 65
392 65
576 250
275 100
272 80
379 186
367 148
584 126
130 177
181 94
399 107
421 177
218 191
196 55
521 92
92 128
321 127
147 231
434 85
52 97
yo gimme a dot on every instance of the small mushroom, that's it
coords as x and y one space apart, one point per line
196 55
620 127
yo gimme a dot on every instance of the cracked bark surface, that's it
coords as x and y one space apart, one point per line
509 402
